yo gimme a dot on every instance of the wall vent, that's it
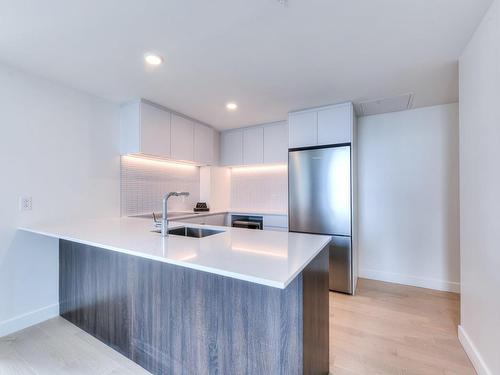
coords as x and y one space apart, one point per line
385 105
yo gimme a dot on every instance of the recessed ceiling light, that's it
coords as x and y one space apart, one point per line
153 59
231 106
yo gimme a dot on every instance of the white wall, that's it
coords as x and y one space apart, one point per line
480 195
59 146
408 197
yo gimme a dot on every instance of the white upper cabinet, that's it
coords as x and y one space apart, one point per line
276 143
303 128
203 144
182 134
145 129
253 146
264 144
155 132
321 126
232 147
150 129
335 125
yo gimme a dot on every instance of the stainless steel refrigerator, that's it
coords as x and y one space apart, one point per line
320 202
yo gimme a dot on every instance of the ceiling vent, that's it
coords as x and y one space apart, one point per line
386 105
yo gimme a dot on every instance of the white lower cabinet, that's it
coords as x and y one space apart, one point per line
276 229
217 219
276 221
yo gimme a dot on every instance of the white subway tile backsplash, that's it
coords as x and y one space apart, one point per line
144 182
259 188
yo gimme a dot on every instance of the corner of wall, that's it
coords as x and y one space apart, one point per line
472 352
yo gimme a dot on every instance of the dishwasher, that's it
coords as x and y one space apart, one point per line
248 222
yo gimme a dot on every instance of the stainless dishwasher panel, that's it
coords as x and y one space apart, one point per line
249 222
246 224
340 273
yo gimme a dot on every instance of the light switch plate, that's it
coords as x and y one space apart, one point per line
25 204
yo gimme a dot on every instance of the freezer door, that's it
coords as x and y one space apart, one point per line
340 272
319 184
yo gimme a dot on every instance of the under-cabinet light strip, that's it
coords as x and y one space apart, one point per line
156 161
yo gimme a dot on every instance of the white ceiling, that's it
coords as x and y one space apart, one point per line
268 58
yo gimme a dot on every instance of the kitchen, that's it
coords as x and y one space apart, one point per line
332 218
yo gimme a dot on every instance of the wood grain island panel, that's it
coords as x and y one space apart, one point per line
175 320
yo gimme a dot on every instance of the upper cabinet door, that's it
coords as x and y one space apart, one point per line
203 144
144 129
155 130
232 147
335 125
303 129
182 138
253 146
276 143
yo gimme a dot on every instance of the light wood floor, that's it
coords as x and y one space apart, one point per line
394 329
384 329
58 347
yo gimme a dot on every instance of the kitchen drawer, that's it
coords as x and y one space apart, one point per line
276 221
218 219
192 220
276 229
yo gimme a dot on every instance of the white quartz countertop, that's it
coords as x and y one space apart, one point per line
263 257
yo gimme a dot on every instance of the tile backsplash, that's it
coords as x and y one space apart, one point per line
144 182
259 188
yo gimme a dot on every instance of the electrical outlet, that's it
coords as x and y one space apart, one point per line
25 204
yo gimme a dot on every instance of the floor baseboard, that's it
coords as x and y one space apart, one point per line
473 353
28 319
446 286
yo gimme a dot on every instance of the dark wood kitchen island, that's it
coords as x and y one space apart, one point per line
237 302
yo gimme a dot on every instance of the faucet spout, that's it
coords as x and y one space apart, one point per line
164 219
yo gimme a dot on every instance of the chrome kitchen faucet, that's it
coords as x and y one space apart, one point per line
164 219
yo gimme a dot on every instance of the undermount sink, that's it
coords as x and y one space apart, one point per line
193 232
